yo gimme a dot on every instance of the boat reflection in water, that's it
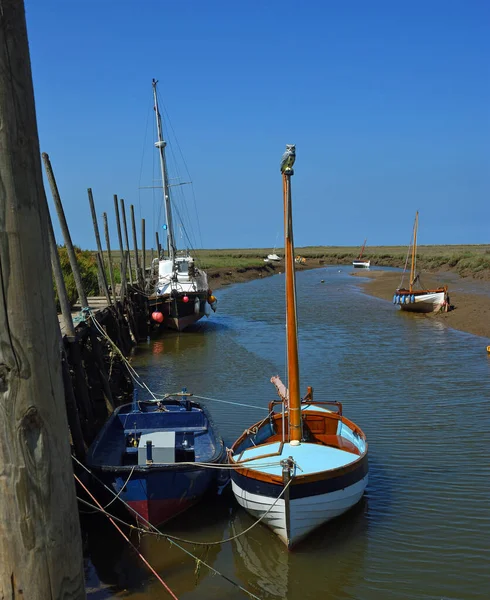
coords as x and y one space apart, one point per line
112 566
326 567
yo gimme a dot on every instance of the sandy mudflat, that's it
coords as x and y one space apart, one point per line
470 298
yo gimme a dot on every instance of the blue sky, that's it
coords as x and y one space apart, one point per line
388 104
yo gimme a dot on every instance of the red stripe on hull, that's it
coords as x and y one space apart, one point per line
157 512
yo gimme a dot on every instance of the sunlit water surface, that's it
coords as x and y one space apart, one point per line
419 390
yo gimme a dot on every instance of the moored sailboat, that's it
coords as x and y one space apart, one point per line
359 262
181 295
305 463
419 299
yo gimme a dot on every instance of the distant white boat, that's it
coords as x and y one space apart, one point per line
359 263
419 300
272 257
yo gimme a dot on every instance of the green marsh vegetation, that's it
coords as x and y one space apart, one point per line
466 260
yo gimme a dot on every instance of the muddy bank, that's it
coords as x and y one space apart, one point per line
219 277
470 298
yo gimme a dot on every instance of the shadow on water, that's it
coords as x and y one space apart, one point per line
114 568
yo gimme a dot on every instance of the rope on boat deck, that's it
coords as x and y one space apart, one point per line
153 530
129 541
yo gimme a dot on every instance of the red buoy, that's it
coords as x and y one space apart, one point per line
185 298
157 316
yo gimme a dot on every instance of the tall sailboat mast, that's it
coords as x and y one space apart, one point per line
362 250
291 318
414 251
160 145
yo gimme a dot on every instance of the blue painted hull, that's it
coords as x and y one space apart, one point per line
158 492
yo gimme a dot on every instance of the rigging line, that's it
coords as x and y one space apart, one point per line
229 402
143 157
188 174
128 540
194 542
155 530
132 371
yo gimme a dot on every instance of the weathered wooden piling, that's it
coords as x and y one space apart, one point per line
143 253
126 239
109 256
65 231
69 330
135 246
40 544
121 247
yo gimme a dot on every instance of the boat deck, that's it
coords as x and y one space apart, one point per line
310 458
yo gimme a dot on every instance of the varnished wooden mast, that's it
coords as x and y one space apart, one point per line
291 321
414 249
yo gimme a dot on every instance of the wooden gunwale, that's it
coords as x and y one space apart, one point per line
271 454
298 479
405 292
302 479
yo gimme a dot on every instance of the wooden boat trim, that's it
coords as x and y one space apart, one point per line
405 292
271 454
302 479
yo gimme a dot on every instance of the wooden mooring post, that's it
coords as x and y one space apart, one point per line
40 543
126 239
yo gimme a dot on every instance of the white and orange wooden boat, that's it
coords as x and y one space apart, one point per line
419 300
305 463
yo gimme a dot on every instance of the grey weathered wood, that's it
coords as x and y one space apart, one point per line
40 543
102 277
69 328
122 266
143 252
101 273
135 246
126 239
72 410
109 256
65 231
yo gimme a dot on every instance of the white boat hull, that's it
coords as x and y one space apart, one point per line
425 303
361 264
305 514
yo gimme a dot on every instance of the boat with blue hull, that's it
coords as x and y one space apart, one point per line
160 457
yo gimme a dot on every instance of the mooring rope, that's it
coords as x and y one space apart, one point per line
173 538
153 530
126 538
